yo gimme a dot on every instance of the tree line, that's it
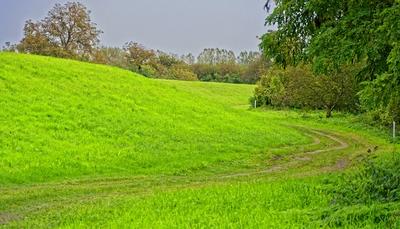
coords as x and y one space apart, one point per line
68 32
212 64
331 55
334 54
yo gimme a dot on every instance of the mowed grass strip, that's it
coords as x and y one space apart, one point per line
62 119
290 203
231 205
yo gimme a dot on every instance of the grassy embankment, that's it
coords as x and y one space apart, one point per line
89 145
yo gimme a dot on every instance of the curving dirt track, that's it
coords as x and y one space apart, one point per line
21 201
295 158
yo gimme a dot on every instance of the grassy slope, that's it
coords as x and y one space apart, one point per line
63 120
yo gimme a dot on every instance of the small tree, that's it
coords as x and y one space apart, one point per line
337 91
137 56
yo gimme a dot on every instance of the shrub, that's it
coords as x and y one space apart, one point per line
148 71
291 87
376 181
385 115
270 90
371 193
181 72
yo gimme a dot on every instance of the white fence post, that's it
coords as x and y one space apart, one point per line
394 130
255 103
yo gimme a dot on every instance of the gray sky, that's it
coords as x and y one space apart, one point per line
178 26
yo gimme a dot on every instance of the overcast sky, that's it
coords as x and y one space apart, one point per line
177 26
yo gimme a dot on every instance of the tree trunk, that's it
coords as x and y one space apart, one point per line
329 112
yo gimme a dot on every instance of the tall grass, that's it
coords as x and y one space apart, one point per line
65 119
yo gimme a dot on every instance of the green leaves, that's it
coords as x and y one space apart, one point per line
332 34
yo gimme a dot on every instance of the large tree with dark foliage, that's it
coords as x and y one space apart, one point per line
331 34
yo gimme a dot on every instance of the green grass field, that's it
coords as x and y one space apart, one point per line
84 145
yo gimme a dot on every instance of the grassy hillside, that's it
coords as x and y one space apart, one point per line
85 145
64 119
